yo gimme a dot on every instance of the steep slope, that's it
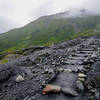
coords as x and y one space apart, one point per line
50 29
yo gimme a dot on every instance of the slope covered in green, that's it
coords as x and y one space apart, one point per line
48 30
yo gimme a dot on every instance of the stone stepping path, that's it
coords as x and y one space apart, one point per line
68 79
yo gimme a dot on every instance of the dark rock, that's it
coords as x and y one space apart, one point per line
79 86
97 95
94 75
32 98
25 61
69 92
29 98
81 79
60 69
5 72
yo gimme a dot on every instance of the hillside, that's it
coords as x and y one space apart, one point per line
70 68
50 29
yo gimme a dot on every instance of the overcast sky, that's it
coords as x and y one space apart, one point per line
17 13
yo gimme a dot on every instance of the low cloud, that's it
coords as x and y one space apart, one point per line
17 13
6 24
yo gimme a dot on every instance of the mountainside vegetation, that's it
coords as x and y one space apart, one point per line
48 30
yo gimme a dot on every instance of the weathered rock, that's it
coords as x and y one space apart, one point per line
98 80
32 98
94 55
5 72
48 71
93 77
81 75
51 88
81 79
19 78
29 98
79 86
87 61
67 70
69 92
43 83
97 95
60 69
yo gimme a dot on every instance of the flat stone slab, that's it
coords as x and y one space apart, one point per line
65 80
76 58
73 62
74 68
80 55
85 52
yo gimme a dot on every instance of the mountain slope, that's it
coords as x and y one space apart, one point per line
73 65
49 29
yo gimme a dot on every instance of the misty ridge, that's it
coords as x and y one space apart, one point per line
72 13
14 15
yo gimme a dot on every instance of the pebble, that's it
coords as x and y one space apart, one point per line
43 83
81 79
81 75
67 70
60 69
94 55
19 78
48 71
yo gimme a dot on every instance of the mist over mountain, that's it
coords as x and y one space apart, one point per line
50 29
15 14
72 13
77 12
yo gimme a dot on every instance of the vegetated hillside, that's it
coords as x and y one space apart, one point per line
49 29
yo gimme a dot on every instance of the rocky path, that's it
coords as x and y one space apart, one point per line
68 65
74 70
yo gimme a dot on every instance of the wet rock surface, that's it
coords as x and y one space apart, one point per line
72 67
